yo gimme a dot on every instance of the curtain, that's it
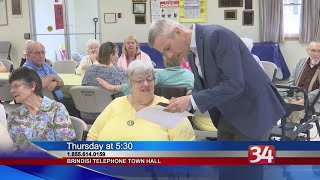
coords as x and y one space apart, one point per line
310 21
271 18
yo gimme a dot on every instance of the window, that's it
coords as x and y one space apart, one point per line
291 18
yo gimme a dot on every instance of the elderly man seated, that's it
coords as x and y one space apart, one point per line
307 76
35 53
36 60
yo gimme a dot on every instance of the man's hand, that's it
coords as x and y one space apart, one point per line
52 85
84 67
296 101
93 56
179 104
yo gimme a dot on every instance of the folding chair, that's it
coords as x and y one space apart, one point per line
202 134
5 95
48 94
270 69
170 91
65 66
90 99
293 131
5 47
79 127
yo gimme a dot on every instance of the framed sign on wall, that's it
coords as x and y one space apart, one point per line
248 18
248 4
16 8
230 3
110 18
139 8
230 14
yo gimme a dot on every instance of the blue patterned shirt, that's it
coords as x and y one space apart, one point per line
43 71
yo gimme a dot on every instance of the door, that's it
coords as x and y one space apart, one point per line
64 26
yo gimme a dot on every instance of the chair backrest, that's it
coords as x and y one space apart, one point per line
65 66
90 99
5 94
8 64
270 69
79 126
49 62
170 91
49 94
202 134
5 47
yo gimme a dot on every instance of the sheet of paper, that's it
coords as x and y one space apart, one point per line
157 115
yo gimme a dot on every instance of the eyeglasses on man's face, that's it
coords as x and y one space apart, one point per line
38 53
141 81
314 50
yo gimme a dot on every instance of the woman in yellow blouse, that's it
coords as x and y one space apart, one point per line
118 121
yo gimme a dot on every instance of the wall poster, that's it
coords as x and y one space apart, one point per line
164 9
192 11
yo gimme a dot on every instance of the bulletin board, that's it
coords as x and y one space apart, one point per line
179 10
192 10
161 9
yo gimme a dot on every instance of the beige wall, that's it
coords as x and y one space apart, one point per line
291 50
215 15
15 30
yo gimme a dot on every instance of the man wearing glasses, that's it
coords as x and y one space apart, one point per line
306 75
49 77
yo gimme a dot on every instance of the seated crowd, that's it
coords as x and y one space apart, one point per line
132 79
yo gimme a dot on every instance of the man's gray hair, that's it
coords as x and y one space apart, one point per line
138 67
31 44
163 28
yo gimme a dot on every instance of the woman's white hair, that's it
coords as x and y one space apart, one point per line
138 67
248 42
91 42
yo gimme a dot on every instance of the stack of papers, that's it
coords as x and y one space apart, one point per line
157 115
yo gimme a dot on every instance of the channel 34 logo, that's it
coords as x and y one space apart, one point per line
261 154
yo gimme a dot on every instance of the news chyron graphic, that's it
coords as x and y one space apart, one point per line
261 154
192 160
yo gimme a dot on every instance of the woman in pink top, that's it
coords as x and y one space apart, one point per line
130 52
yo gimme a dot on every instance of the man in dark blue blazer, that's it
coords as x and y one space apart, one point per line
229 84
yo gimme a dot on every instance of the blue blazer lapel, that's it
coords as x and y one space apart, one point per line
198 83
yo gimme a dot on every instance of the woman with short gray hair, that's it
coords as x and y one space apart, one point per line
38 118
119 122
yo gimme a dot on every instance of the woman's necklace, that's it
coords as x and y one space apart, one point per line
131 121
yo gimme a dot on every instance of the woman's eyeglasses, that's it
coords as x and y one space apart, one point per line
141 81
15 86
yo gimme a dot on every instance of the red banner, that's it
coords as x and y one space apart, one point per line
58 15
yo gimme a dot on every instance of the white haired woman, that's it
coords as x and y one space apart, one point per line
92 48
118 120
